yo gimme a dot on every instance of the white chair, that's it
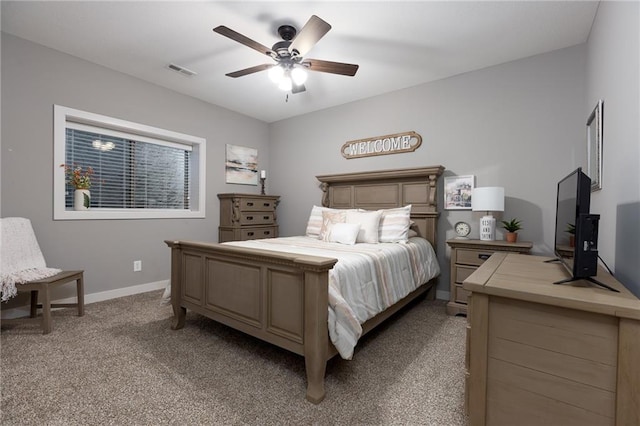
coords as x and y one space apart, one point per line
23 268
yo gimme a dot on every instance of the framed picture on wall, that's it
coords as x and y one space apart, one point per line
457 192
241 165
594 146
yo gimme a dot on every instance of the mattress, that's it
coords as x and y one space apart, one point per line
366 280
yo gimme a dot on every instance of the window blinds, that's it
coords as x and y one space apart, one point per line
129 173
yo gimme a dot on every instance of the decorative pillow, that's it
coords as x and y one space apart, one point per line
344 233
412 233
330 218
315 221
395 224
369 222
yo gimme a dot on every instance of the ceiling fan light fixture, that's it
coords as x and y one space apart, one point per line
285 83
298 75
276 73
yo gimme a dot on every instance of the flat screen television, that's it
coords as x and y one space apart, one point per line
576 231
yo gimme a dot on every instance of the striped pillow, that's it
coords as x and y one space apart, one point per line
314 224
394 225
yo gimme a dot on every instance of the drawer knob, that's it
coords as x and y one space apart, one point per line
250 204
267 204
265 217
250 234
484 256
267 232
249 217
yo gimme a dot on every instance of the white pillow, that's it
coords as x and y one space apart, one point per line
344 233
330 218
395 224
368 222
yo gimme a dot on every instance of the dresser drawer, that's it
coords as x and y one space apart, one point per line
473 257
258 233
256 218
257 204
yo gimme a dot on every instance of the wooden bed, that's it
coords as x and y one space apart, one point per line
283 298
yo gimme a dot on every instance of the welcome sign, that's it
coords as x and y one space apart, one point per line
382 145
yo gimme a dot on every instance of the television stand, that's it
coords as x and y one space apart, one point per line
590 279
548 354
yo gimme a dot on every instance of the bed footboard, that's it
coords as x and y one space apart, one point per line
277 297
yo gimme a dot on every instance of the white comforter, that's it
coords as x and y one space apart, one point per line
367 279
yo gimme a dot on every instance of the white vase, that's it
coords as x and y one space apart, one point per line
81 199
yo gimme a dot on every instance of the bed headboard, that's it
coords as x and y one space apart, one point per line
387 189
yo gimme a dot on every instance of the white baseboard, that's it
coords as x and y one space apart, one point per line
93 297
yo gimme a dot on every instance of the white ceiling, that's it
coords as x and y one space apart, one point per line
397 44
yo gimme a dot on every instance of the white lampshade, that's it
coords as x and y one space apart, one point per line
285 83
276 73
298 75
487 199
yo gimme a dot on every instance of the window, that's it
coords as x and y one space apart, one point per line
139 171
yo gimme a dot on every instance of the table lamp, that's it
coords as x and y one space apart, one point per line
488 199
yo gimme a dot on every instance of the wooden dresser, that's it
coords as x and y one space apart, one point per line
545 354
466 256
247 217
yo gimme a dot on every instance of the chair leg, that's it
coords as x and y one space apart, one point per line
34 303
46 311
80 285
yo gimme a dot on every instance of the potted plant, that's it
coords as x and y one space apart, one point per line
512 227
81 181
571 230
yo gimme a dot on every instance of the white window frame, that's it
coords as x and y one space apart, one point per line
63 116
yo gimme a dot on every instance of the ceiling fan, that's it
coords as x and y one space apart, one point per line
289 70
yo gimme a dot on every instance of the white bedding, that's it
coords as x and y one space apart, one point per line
367 279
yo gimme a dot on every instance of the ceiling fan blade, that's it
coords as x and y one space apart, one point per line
251 70
298 88
236 36
331 67
309 35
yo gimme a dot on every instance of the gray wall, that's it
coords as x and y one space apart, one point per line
519 125
33 79
613 74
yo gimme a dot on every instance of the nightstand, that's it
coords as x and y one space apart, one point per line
466 257
247 217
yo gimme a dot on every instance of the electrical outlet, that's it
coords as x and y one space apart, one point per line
137 265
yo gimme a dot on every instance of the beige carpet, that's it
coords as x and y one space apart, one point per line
121 364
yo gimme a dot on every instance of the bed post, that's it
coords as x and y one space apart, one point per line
324 186
179 312
316 337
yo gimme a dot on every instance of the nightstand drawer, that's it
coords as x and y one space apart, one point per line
256 218
258 233
462 272
257 204
462 295
472 257
466 257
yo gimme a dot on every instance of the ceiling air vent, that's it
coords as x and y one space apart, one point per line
181 70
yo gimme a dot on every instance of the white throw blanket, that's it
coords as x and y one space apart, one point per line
20 257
